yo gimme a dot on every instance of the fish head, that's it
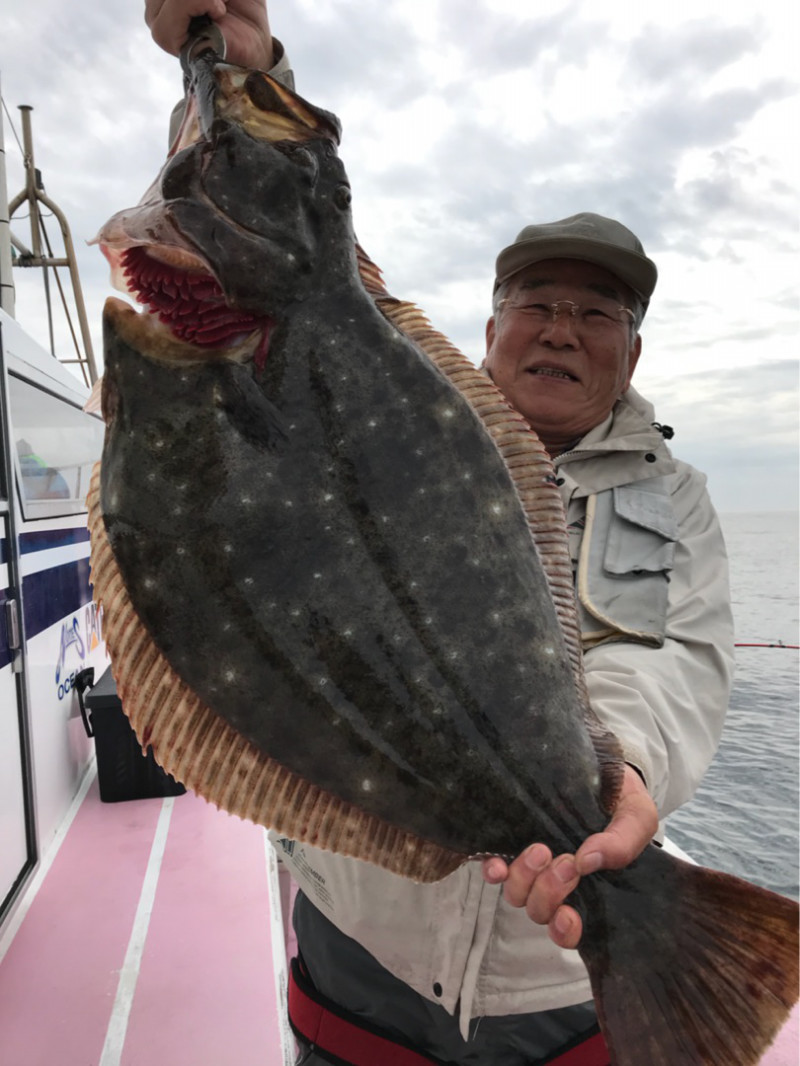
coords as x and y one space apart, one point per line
252 198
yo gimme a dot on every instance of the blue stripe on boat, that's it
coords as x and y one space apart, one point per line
40 540
50 595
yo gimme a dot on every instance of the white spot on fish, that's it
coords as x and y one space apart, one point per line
548 650
467 475
366 785
151 477
248 581
246 500
317 577
496 508
372 423
288 503
347 633
227 548
149 583
448 412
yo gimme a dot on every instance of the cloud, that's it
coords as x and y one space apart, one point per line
460 130
739 427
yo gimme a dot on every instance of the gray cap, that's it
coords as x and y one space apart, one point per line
592 238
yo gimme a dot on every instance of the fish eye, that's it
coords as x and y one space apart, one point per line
342 196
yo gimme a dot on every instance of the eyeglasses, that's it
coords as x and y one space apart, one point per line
598 317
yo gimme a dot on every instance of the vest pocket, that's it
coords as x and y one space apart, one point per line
627 553
642 539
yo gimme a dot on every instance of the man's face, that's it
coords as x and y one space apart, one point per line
563 378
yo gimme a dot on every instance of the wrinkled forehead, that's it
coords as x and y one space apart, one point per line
561 277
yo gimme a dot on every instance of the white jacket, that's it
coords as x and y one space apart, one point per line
658 677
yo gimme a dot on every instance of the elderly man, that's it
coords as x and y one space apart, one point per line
454 972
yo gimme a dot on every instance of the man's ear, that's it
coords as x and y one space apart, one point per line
633 357
490 331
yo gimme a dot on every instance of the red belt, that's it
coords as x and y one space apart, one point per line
321 1024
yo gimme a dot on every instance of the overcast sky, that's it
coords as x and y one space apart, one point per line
465 120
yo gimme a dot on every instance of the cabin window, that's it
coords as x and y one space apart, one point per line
56 445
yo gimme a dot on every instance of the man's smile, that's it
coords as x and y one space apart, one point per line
551 372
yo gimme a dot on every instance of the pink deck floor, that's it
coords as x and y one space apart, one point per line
149 941
156 938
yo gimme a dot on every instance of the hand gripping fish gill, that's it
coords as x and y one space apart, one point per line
336 585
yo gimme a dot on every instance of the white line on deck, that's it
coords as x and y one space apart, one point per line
129 974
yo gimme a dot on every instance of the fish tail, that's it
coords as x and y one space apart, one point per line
715 976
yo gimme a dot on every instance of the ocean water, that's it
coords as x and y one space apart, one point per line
744 817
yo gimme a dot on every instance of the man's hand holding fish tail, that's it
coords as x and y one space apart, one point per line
540 882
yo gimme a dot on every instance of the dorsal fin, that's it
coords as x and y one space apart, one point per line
533 475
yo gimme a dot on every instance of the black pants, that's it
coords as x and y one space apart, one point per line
347 974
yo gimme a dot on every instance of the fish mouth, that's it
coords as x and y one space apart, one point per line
186 315
184 307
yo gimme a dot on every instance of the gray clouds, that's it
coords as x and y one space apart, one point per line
463 122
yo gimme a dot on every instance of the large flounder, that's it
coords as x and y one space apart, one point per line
337 605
